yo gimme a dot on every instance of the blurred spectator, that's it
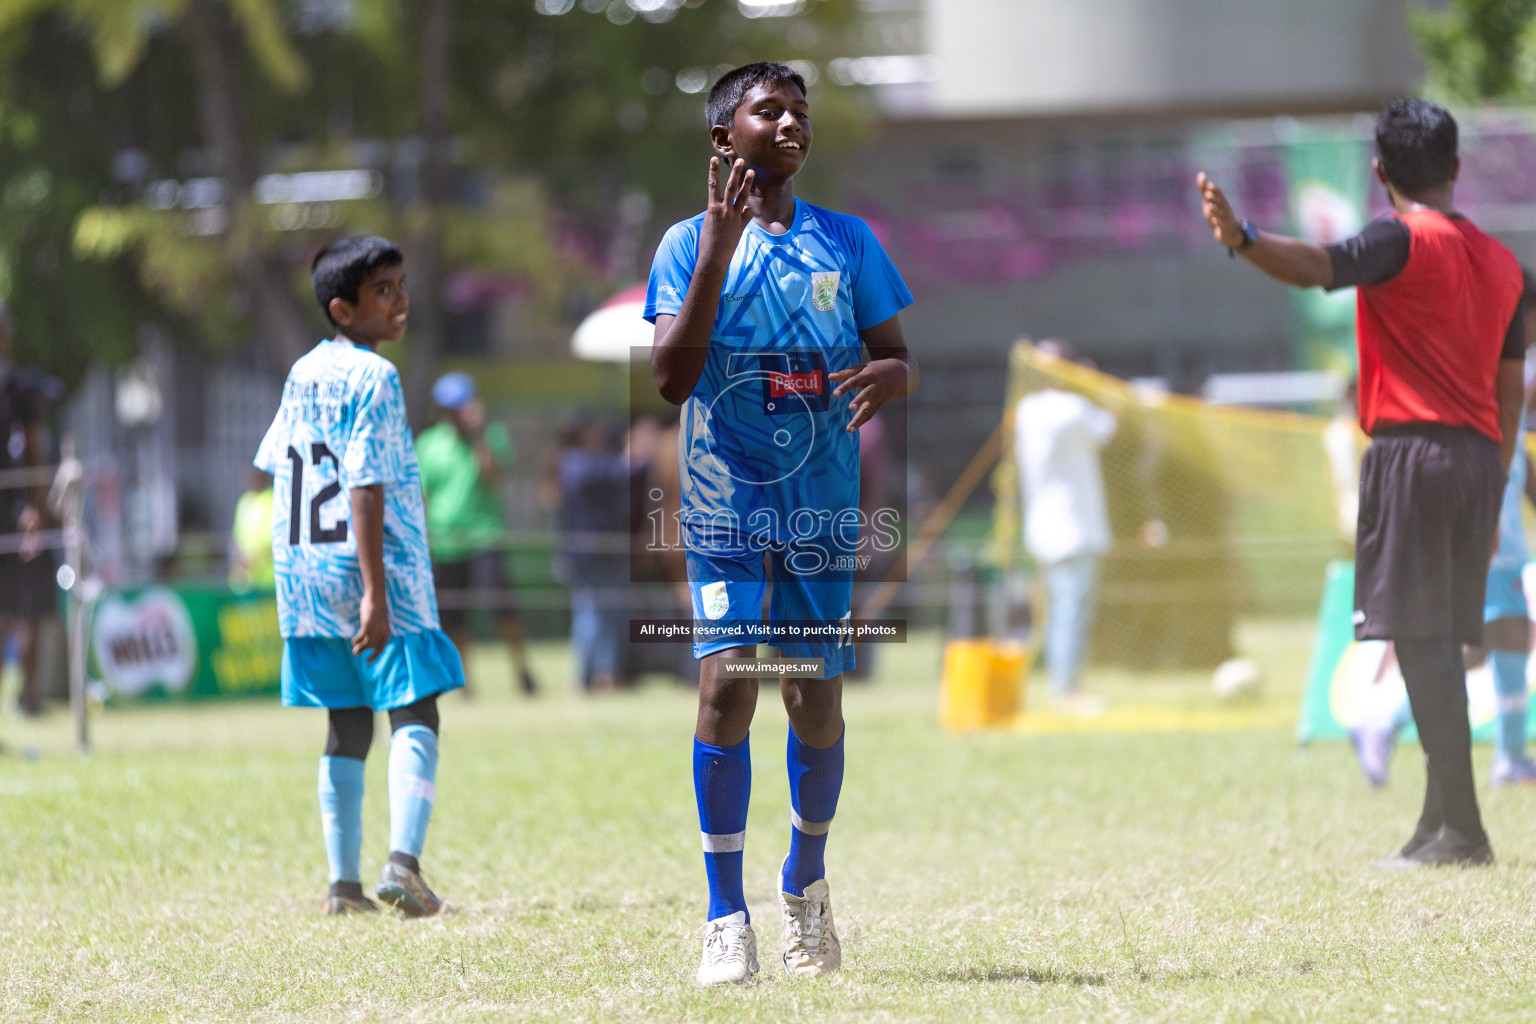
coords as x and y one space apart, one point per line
462 459
655 549
28 590
250 549
592 477
1058 437
639 450
661 511
1341 443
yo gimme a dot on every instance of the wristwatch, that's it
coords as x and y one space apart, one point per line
1250 235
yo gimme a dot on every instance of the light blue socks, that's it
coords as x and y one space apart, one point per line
341 816
412 787
815 780
1509 685
722 785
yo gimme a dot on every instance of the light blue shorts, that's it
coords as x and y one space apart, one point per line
1505 598
322 672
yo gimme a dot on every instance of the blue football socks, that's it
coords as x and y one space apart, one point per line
722 784
1509 685
412 787
815 780
341 816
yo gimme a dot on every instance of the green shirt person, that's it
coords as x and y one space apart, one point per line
462 459
251 551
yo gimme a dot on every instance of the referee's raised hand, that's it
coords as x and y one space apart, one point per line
1218 212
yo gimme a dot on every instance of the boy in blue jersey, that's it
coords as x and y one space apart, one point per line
355 599
761 305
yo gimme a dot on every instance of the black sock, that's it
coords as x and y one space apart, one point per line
348 890
1431 819
405 860
1436 681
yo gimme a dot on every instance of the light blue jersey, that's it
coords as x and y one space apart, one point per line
342 425
764 450
1514 551
1505 597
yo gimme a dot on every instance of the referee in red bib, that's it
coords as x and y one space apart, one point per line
1442 352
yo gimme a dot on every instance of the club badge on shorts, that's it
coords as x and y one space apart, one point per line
715 602
824 290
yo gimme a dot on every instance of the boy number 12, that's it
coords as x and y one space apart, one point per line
317 534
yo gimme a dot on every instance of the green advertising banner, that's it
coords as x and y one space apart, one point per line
184 644
1327 182
1357 682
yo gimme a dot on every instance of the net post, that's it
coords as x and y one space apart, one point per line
68 500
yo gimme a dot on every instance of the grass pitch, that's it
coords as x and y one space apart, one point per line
177 874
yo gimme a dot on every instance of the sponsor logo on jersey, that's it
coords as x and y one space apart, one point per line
781 385
716 603
824 290
798 375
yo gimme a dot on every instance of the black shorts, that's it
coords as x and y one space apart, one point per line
479 581
1429 511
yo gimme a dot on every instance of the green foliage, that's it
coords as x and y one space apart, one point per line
120 32
555 121
593 105
1477 50
55 158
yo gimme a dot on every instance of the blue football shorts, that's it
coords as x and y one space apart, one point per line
1505 598
812 586
322 671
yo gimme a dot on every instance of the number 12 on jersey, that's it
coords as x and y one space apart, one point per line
317 534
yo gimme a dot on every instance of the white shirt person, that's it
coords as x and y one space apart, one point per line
1058 437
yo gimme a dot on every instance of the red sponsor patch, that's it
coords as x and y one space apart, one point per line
781 385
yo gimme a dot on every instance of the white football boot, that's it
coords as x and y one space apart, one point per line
730 951
811 948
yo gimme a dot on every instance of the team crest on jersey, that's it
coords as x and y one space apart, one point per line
715 601
824 290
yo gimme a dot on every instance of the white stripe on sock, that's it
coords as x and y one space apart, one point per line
732 843
424 789
810 828
1508 704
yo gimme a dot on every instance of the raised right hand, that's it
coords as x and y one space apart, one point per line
725 216
1218 212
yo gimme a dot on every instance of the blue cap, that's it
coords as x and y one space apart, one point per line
453 390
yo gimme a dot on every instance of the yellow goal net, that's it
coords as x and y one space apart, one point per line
1217 512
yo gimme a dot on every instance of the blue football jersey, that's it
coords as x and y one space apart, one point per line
1514 551
764 449
342 425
